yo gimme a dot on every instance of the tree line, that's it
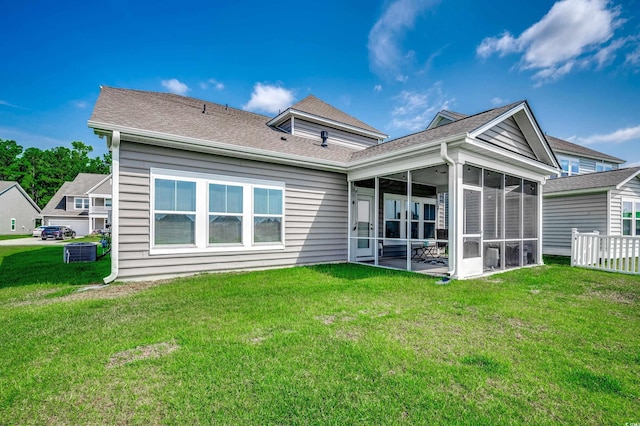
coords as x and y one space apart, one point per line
42 172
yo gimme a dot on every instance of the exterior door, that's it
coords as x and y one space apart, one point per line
365 214
471 231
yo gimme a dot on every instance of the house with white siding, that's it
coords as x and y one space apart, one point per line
202 187
19 214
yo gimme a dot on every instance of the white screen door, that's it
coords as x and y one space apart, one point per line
364 225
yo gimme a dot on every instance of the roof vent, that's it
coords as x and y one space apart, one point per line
204 108
324 135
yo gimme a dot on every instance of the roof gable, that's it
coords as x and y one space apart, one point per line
6 186
319 108
445 117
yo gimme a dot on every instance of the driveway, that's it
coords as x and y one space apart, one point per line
32 241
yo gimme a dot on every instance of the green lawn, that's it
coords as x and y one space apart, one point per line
335 344
14 236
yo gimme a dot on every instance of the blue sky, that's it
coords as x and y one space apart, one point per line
392 64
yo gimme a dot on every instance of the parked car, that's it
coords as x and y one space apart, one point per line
38 231
57 232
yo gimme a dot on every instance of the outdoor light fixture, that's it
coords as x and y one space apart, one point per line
324 135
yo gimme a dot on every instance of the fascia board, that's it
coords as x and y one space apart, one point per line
576 192
624 182
400 153
219 148
98 184
475 133
527 162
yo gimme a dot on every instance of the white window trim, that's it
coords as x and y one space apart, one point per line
13 224
84 201
405 215
570 160
632 219
202 245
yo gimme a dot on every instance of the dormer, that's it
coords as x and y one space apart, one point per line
311 117
445 117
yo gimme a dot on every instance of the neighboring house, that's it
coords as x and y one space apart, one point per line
607 202
83 204
19 214
576 159
201 187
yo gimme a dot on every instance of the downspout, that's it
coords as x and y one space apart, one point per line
114 146
453 178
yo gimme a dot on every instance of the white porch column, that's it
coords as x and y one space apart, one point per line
350 203
376 224
456 205
408 220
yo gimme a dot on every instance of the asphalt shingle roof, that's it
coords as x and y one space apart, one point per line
181 116
459 127
78 187
6 184
560 145
315 106
589 181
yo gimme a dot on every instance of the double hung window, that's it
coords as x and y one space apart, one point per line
81 203
570 166
194 212
631 217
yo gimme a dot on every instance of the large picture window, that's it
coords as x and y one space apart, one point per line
195 212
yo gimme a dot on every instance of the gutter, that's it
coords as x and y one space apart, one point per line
453 193
114 145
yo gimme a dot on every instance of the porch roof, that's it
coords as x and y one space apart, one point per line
456 128
591 181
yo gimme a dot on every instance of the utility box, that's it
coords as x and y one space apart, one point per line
80 252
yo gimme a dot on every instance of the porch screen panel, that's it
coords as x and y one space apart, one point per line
471 211
530 209
493 205
513 207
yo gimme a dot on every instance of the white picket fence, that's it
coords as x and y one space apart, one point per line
614 253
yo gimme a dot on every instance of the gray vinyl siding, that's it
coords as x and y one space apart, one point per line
629 191
311 130
586 212
587 165
13 204
315 214
286 125
508 135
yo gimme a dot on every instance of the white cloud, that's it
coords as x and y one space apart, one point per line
212 82
618 136
414 110
633 58
80 104
497 101
377 88
571 30
175 86
269 98
385 53
5 103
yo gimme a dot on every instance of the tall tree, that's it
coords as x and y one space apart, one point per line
9 151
